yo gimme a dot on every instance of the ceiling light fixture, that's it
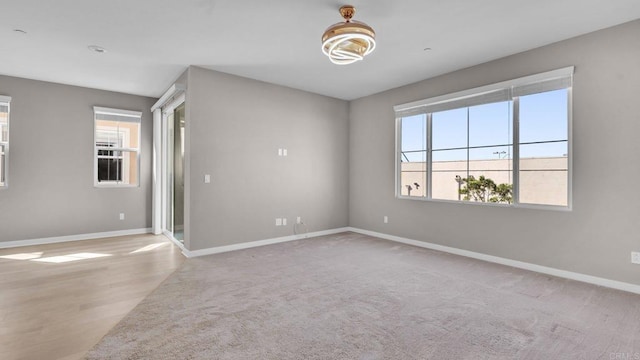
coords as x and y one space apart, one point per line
98 49
350 41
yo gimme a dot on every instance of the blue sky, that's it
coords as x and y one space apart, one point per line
543 117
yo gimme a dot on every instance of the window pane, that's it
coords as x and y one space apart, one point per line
109 169
4 140
544 170
118 167
413 156
117 134
413 175
4 127
492 170
544 148
449 129
448 166
490 124
544 116
2 165
414 133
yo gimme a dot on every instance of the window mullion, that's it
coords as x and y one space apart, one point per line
468 144
429 156
570 146
516 150
398 156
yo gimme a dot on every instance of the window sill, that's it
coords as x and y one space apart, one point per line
475 203
115 186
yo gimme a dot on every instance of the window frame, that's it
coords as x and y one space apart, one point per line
6 101
415 108
131 117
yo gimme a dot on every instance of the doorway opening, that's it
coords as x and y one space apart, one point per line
173 125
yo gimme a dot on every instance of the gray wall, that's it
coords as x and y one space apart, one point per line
51 191
235 127
596 238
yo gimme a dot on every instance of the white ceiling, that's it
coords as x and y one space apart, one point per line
151 42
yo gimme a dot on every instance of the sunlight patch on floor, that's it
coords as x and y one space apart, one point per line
149 248
23 256
71 257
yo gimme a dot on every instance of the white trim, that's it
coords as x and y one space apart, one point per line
570 149
553 74
176 242
398 157
67 238
124 182
117 112
252 244
6 100
613 284
156 176
174 103
174 90
168 108
480 203
426 107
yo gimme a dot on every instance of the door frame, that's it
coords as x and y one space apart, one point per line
172 98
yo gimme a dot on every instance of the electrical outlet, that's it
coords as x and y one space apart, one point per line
298 220
121 216
635 257
278 221
284 221
386 219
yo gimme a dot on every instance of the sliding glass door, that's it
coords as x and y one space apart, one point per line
173 148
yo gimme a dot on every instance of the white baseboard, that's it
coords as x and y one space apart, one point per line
176 242
67 238
247 245
618 285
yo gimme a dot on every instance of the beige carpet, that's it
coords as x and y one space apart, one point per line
350 296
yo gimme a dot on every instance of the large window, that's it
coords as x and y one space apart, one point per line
117 147
505 143
4 139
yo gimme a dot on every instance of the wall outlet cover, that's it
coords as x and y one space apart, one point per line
635 257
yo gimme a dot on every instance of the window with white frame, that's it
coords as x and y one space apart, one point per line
4 139
505 143
117 147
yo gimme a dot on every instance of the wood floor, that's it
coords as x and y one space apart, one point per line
58 300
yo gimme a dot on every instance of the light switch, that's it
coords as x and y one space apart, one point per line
284 152
279 152
207 178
